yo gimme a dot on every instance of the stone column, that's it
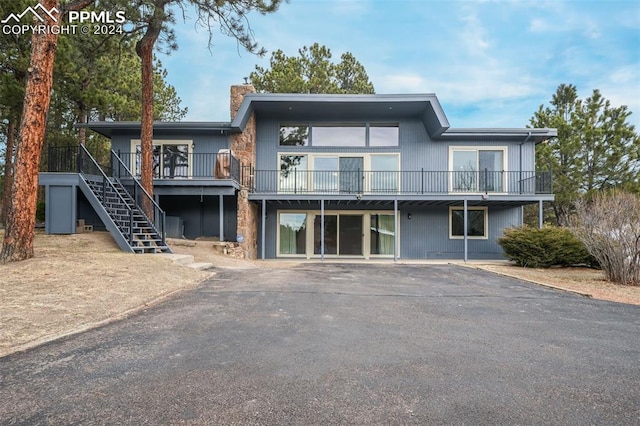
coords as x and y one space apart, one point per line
243 146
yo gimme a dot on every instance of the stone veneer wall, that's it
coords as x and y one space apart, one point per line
243 146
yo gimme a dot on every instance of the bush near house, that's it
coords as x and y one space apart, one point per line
608 224
545 247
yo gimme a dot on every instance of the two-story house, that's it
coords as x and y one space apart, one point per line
326 176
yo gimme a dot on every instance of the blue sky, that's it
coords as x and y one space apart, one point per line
491 63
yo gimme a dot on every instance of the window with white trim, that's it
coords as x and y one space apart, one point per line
292 233
344 172
475 169
293 173
171 158
360 233
477 222
339 134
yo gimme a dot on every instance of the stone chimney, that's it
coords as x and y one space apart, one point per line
243 146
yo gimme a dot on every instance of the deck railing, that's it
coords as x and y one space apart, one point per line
149 207
399 182
179 165
226 166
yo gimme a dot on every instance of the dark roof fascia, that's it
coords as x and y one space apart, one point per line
107 128
432 115
523 134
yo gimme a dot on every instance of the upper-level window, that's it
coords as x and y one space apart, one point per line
171 159
336 134
477 169
384 134
339 134
293 173
294 134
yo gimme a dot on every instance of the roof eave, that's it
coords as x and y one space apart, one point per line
106 128
525 134
433 116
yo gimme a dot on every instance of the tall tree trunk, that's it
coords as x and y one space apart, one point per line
82 118
21 217
146 130
144 49
8 169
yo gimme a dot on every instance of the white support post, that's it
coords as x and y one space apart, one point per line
540 214
466 230
322 229
395 234
263 231
221 206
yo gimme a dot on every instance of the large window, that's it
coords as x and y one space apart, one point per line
477 170
359 233
384 134
293 234
382 234
325 174
339 173
477 222
293 173
384 173
171 159
294 134
338 134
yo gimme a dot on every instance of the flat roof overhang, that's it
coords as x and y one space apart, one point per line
107 128
296 106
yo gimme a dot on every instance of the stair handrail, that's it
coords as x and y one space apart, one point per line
105 181
140 189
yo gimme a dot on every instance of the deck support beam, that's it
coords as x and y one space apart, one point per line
322 229
466 231
221 216
263 230
395 227
540 214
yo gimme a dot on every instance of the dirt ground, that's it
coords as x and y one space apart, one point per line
79 281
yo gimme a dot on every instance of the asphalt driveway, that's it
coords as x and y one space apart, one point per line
342 344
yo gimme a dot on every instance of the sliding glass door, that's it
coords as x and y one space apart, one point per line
342 235
351 174
346 233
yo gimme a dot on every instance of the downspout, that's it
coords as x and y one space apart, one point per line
522 143
520 178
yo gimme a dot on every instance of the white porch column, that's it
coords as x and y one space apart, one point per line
540 215
263 231
395 232
322 229
465 231
221 208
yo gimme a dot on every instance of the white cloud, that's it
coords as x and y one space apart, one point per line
539 25
473 35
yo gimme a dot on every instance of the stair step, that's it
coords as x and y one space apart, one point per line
127 216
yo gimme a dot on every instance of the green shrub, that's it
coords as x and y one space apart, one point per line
542 248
